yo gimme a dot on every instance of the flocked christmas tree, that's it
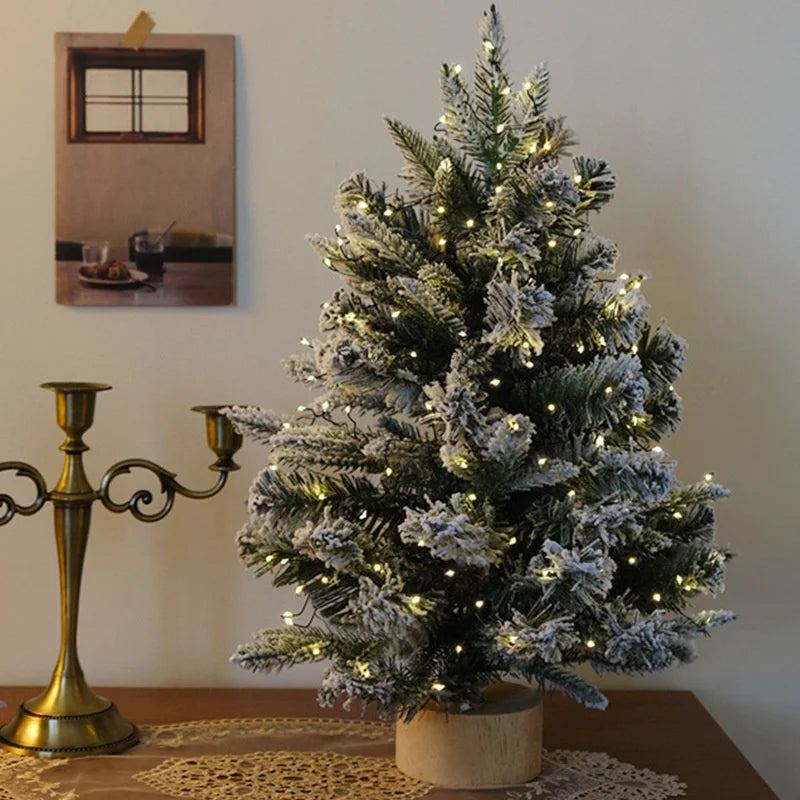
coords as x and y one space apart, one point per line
477 490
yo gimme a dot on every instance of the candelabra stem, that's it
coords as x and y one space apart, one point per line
68 718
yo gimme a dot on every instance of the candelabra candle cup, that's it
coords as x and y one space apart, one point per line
148 251
68 719
221 437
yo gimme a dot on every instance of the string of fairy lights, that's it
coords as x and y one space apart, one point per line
624 288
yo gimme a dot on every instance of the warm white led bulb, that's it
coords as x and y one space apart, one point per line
388 212
388 471
459 648
442 242
395 314
362 204
708 477
450 573
413 354
273 467
577 232
500 128
470 223
552 243
541 461
472 497
479 604
457 68
656 597
494 382
512 541
632 560
547 145
325 405
506 90
443 119
440 209
328 262
488 45
527 86
591 644
551 407
415 600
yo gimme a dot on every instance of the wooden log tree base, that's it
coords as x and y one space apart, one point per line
496 744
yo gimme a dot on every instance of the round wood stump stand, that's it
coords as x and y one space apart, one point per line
498 743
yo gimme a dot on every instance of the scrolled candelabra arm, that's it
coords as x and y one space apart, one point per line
223 441
8 506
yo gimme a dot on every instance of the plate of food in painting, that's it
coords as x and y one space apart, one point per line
111 275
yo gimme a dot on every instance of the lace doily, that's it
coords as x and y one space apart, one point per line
579 775
289 759
20 779
283 774
180 734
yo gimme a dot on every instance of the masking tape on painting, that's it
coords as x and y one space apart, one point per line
139 31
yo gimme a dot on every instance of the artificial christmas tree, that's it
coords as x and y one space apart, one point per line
477 490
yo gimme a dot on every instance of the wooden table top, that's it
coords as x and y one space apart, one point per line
182 283
667 732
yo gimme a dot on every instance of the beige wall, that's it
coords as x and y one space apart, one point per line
109 190
694 103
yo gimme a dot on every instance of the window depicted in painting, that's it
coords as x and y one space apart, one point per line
118 95
144 170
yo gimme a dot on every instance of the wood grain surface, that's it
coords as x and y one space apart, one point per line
667 732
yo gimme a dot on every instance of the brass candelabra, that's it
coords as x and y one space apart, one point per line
68 719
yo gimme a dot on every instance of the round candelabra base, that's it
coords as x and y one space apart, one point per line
61 736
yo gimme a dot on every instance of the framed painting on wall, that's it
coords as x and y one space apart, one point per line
144 170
